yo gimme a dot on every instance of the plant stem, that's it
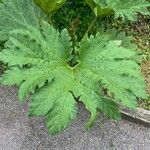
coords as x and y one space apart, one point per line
90 26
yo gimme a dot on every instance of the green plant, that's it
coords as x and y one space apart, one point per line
50 5
101 71
120 8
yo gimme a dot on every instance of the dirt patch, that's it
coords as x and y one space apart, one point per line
146 71
141 32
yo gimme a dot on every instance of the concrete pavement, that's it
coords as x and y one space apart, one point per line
18 132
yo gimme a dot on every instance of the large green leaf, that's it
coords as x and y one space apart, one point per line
18 14
50 5
125 9
37 61
116 71
98 10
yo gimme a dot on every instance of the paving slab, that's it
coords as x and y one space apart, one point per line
19 132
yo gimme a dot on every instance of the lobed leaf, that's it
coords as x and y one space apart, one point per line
18 14
37 61
50 5
105 76
120 8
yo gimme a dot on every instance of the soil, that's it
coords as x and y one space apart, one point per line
141 32
146 71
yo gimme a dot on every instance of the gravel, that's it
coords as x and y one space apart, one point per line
19 132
